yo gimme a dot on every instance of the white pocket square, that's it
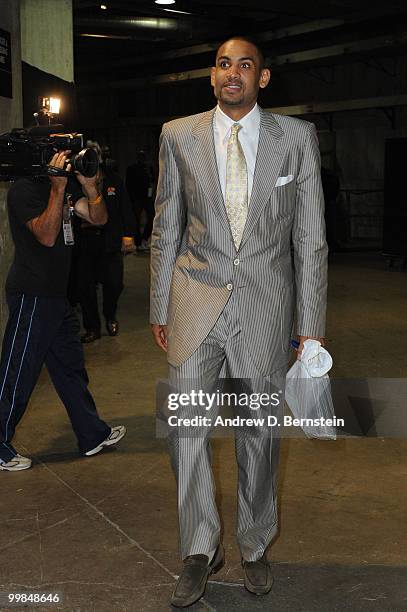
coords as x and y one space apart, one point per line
283 180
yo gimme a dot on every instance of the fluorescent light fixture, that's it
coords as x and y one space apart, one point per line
175 11
118 36
164 1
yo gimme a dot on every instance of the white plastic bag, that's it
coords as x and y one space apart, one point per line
308 392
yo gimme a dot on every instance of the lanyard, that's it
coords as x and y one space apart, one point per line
67 212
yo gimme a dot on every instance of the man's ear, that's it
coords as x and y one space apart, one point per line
213 69
265 77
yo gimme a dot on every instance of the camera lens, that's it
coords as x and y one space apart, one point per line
85 162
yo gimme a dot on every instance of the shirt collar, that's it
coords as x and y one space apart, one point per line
250 123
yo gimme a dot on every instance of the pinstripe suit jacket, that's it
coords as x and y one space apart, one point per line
194 262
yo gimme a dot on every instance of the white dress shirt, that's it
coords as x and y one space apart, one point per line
248 138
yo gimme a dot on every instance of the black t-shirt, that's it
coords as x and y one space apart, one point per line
120 222
37 269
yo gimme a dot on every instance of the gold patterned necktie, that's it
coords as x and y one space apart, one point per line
236 192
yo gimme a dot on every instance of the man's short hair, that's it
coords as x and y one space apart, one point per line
252 42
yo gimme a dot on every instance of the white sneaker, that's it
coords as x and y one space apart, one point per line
114 437
16 464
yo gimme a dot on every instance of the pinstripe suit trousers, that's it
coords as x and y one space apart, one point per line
224 353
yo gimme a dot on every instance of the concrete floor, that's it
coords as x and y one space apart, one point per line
103 531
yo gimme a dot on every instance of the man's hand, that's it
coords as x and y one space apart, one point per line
58 183
47 225
87 182
160 336
302 339
92 208
127 245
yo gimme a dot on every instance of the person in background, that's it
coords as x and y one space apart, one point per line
100 253
139 187
42 328
331 189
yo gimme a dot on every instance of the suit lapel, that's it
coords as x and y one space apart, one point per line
270 156
203 159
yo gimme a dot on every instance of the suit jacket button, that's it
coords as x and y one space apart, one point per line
229 286
236 261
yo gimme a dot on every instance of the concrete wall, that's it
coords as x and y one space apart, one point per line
47 36
11 115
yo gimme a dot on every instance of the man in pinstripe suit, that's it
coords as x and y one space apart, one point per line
237 187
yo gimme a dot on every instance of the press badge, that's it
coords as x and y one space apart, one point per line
67 212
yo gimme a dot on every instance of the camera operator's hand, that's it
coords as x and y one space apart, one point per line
89 183
47 225
59 161
93 207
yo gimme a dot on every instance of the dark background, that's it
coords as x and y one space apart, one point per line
340 64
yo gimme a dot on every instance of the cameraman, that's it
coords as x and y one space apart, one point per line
42 327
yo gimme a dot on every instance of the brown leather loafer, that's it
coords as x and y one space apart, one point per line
257 576
191 584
